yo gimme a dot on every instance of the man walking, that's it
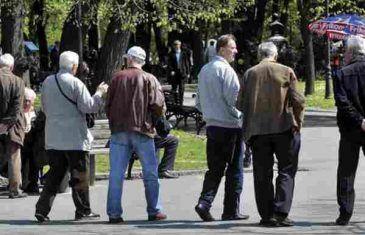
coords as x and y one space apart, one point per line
65 102
273 110
133 97
179 65
12 124
218 91
350 101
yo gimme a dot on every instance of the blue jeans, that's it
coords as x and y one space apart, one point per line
122 145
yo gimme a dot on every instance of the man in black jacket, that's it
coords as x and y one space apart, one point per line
179 64
350 101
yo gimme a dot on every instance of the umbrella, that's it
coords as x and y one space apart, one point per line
340 26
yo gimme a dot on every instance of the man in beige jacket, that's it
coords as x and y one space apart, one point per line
12 124
273 115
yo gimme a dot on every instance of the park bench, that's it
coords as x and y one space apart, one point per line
181 112
101 135
100 145
101 130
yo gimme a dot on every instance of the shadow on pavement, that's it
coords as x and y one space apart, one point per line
319 121
309 121
53 222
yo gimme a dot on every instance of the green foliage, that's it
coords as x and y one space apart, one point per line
337 7
37 102
171 14
55 14
56 11
317 100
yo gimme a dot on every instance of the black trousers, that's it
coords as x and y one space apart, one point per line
348 158
78 164
286 147
224 156
178 84
30 170
169 144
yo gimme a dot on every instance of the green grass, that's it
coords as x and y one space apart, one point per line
317 100
190 154
191 87
37 101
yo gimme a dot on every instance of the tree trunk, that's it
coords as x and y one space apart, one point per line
198 52
250 34
115 45
93 32
40 36
12 28
69 38
143 39
160 46
309 68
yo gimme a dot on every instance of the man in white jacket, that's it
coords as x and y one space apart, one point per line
67 138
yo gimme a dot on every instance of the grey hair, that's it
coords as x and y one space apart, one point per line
356 46
68 59
6 60
267 50
136 60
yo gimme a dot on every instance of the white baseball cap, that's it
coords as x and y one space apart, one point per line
136 52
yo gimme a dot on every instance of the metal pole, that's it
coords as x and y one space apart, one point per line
328 93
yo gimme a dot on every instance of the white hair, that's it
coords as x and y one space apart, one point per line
356 45
267 50
6 60
29 94
68 59
136 60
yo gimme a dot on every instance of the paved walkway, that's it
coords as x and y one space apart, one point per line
314 207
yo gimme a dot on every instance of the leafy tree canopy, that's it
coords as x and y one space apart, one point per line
172 14
338 7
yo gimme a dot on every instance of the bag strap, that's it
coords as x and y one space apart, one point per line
59 87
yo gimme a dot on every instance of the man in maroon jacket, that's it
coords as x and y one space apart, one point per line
134 96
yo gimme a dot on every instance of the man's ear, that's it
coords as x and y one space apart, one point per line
74 68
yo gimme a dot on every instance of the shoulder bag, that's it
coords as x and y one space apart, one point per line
90 118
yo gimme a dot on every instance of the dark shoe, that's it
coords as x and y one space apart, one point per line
14 195
284 221
235 217
41 218
270 222
34 190
116 220
204 213
167 175
90 216
343 220
158 216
